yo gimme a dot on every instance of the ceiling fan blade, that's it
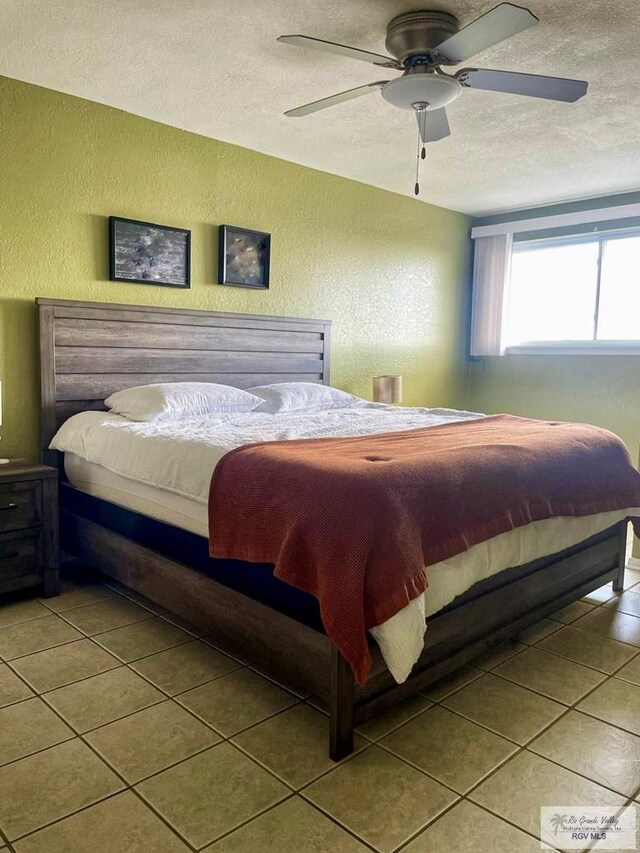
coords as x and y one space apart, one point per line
533 85
433 124
341 50
501 23
332 100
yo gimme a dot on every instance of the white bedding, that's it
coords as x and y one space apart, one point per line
180 455
164 471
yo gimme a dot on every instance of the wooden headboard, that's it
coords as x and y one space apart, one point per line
88 350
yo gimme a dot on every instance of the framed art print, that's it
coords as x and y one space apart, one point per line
147 253
243 257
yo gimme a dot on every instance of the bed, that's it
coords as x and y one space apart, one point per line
90 350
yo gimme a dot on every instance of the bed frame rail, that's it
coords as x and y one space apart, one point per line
293 653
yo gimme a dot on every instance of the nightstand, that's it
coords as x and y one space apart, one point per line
28 527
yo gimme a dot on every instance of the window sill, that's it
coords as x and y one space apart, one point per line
575 348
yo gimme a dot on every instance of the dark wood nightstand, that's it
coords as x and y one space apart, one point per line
28 527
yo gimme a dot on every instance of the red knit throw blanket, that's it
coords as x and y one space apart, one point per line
354 521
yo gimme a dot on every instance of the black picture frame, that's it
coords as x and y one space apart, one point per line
254 272
132 244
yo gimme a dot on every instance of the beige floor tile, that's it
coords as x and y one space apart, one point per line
572 611
151 740
103 698
628 602
184 667
142 638
286 683
450 683
232 647
21 611
136 597
64 664
453 750
121 824
50 785
630 672
632 575
537 632
382 724
28 637
189 627
236 701
77 595
553 676
12 689
600 595
294 745
613 624
319 704
594 749
469 829
380 798
505 708
496 655
194 796
589 648
616 702
106 615
28 727
292 827
527 782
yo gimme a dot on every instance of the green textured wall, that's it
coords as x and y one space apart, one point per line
602 390
391 272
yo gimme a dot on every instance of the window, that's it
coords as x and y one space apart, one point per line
583 290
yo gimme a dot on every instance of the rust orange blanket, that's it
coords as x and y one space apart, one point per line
354 521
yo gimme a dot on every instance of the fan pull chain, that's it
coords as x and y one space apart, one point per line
416 188
421 153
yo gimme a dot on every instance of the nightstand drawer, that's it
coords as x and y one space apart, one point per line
20 505
20 560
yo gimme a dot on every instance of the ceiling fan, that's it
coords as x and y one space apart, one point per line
421 43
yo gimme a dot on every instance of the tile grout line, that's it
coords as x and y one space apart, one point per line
99 802
519 748
352 832
119 663
101 799
524 748
429 823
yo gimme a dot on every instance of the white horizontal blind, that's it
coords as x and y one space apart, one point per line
491 276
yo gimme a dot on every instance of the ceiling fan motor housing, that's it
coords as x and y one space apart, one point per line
418 33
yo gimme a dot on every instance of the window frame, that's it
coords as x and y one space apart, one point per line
593 346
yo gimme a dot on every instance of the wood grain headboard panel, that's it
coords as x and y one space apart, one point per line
88 350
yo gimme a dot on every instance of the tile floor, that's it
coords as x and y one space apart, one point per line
123 730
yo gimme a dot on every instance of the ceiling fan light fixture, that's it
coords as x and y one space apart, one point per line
436 90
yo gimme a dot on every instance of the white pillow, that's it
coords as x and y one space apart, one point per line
302 396
166 401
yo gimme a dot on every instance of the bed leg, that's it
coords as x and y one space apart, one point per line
341 707
618 583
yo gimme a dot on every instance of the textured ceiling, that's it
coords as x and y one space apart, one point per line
214 67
